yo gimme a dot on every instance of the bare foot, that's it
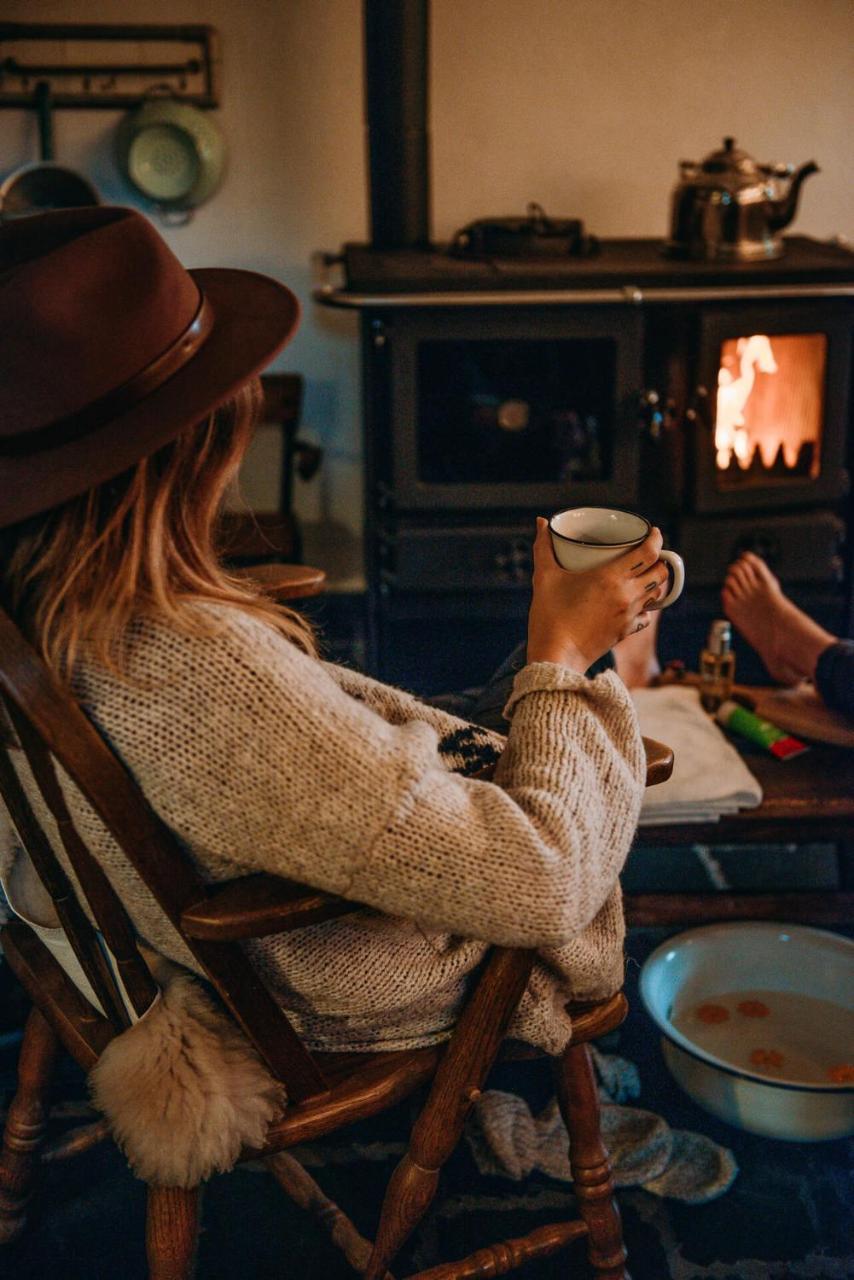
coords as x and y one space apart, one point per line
635 657
786 639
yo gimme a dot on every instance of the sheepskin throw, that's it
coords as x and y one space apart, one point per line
183 1090
263 759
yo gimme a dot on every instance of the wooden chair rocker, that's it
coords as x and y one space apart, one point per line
326 1092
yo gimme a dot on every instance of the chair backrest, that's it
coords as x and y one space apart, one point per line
50 725
258 534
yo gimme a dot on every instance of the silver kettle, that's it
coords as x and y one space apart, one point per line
729 208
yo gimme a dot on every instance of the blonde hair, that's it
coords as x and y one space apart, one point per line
143 543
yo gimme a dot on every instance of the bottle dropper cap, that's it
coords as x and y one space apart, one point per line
720 636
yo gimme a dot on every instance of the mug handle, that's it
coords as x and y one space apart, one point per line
677 570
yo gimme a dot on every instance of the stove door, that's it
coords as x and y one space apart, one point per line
772 405
515 407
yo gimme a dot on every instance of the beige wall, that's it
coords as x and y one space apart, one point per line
583 105
587 105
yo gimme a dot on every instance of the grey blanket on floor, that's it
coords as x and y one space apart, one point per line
507 1140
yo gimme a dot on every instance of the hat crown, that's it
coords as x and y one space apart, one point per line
109 349
89 298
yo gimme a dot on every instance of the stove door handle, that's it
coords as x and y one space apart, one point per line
698 410
655 414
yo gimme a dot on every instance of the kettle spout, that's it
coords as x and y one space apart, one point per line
781 212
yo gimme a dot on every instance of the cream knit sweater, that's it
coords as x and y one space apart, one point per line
262 759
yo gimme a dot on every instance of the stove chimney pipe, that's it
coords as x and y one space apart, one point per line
396 94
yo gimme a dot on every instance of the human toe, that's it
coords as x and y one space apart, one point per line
740 578
760 569
751 574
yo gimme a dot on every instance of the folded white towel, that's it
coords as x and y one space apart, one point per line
709 776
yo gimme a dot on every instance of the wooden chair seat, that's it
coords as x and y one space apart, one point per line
358 1089
362 1085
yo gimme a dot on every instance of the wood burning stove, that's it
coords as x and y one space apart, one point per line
714 399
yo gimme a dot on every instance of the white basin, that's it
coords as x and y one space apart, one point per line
798 1096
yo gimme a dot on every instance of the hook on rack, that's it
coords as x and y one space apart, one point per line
191 65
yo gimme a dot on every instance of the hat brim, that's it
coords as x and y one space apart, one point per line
254 317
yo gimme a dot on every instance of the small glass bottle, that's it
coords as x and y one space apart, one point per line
717 666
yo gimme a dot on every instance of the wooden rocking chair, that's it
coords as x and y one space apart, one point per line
326 1092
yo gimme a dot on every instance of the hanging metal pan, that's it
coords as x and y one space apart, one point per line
44 185
172 153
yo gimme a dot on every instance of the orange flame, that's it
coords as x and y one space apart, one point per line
731 434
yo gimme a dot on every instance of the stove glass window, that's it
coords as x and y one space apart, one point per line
770 409
520 411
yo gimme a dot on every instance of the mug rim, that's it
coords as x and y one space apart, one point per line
581 542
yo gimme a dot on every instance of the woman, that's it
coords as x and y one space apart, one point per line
257 754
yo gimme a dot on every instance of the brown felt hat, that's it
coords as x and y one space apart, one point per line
109 348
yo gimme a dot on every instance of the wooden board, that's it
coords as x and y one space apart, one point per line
801 711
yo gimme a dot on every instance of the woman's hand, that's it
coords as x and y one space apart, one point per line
577 617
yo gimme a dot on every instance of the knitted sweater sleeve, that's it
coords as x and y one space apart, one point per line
259 760
464 747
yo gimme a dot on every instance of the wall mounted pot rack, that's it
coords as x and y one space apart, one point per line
175 58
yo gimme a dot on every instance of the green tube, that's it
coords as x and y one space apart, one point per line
737 718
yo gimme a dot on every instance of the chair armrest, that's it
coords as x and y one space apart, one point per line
591 1020
659 762
255 906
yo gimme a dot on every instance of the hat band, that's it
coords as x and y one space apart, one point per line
116 402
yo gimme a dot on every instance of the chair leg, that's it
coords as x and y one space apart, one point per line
408 1196
172 1232
298 1183
591 1167
26 1124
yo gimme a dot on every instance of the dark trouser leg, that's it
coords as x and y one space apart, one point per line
485 706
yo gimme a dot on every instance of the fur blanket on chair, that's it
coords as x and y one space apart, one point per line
182 1088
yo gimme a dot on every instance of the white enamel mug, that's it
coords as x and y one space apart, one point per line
586 537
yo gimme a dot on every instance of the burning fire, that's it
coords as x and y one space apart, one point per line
770 406
731 433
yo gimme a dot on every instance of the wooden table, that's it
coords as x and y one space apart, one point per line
809 798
